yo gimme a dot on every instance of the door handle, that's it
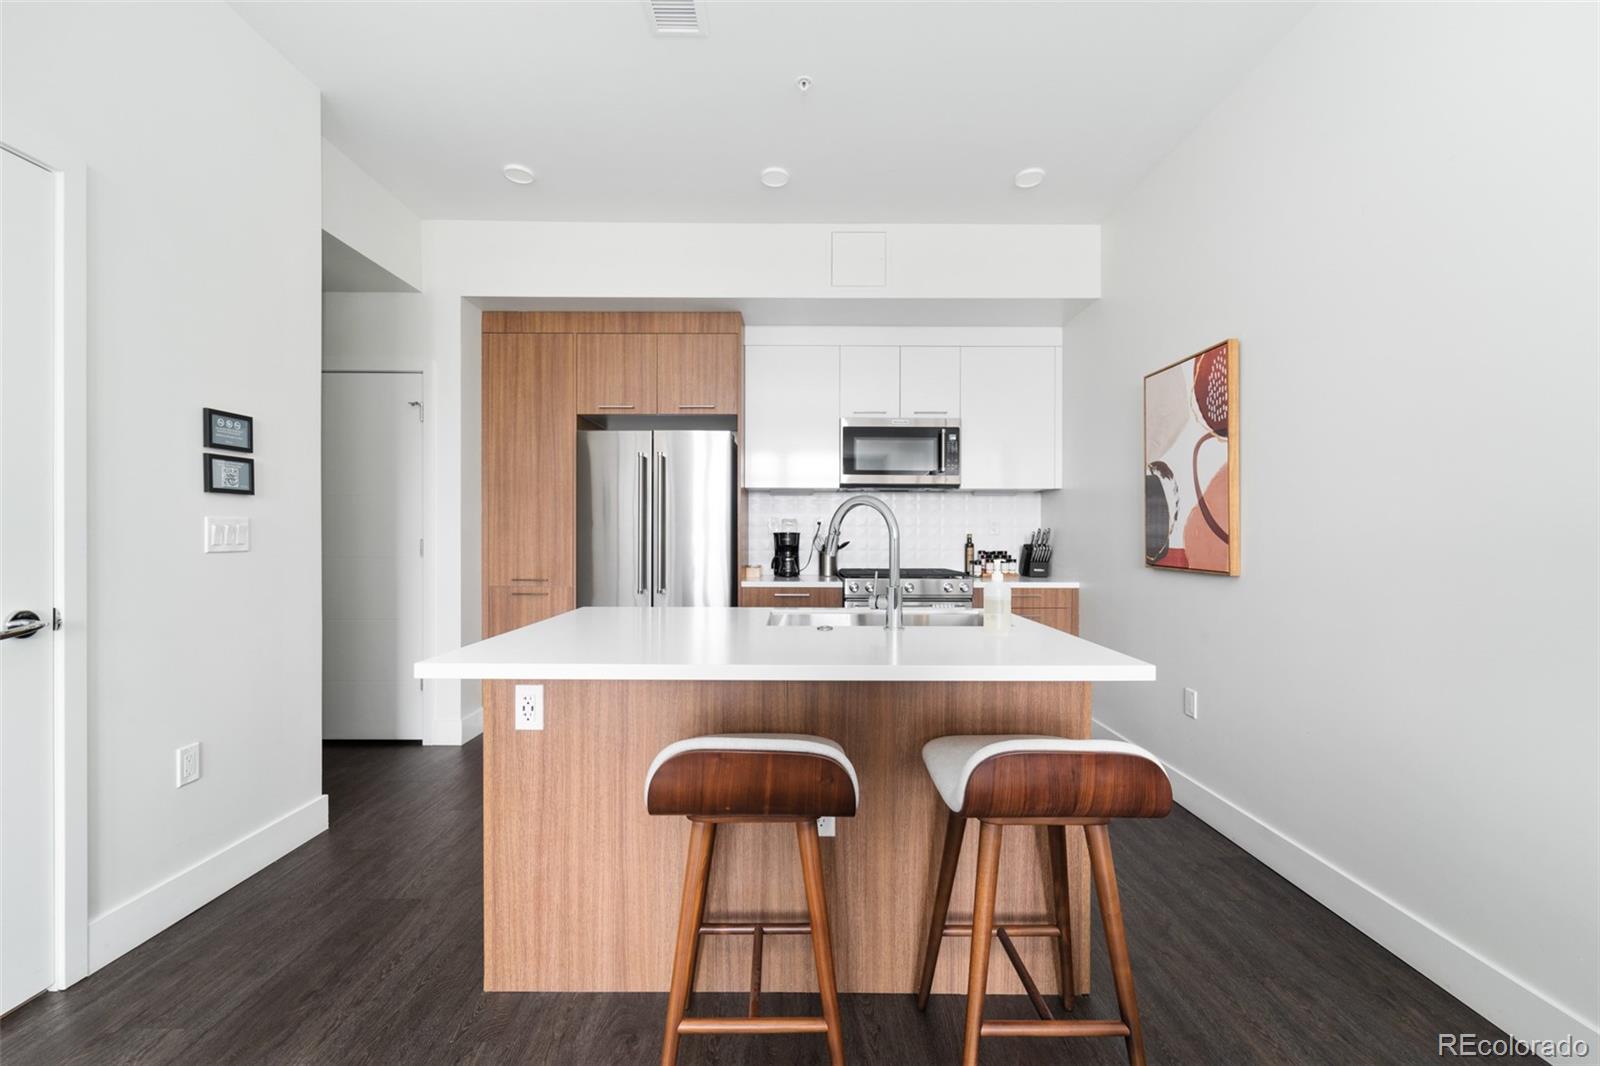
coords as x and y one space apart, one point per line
22 625
661 522
643 517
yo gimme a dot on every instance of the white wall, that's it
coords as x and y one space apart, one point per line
202 152
1395 214
369 218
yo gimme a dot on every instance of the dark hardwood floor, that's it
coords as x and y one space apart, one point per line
364 946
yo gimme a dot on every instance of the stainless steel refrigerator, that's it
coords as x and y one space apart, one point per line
656 518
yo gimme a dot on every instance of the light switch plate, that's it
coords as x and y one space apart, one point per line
1191 703
226 534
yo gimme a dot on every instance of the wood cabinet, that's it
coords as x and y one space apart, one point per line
767 596
616 373
1054 607
1010 418
791 417
869 381
529 460
542 372
697 374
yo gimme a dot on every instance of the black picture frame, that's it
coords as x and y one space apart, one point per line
211 484
209 439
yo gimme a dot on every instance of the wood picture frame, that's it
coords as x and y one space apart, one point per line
1191 463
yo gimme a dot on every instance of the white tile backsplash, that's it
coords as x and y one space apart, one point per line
933 525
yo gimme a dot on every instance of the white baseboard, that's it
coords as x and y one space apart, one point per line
449 730
131 923
1503 998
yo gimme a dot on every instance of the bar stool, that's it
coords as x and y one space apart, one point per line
1054 782
756 777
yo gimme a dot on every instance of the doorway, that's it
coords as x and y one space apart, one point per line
372 553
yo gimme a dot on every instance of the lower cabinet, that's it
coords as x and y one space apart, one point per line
509 607
798 597
1053 607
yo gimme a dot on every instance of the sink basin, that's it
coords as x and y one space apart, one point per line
841 618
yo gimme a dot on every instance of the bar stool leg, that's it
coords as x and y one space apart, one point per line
1063 908
982 936
821 939
954 830
691 912
1105 886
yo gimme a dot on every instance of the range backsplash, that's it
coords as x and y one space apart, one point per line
933 525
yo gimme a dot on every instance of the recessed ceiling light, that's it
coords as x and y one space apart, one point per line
1029 177
518 174
775 177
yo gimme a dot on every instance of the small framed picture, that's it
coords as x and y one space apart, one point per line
227 473
229 432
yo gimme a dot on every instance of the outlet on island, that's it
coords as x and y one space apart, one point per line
530 707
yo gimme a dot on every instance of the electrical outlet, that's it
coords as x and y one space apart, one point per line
189 764
1191 703
530 706
826 826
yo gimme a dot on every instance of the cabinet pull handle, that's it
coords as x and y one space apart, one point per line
613 406
939 412
791 595
539 580
530 592
869 412
697 407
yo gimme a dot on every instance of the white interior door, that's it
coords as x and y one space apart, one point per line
371 555
27 571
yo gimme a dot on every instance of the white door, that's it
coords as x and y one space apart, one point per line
869 381
27 576
930 382
1010 418
791 417
371 555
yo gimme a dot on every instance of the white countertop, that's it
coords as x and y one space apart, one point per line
736 644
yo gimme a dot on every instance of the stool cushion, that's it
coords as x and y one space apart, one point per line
748 782
1108 778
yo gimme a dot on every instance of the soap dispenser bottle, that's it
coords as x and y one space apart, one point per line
997 602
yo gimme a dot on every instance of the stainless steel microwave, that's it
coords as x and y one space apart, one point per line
900 453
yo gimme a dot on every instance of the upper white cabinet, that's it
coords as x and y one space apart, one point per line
869 381
1010 418
791 416
930 382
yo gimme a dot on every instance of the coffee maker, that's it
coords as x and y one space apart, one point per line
786 554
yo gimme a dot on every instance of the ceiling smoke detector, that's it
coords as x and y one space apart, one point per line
675 18
775 177
517 174
1029 177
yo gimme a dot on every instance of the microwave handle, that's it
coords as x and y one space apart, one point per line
944 437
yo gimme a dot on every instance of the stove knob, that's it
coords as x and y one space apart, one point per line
965 588
853 587
948 587
908 587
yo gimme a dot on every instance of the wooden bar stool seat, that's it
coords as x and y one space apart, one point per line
751 777
1054 782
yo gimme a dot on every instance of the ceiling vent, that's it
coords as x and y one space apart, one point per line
675 18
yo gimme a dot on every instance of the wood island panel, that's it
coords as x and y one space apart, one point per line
581 885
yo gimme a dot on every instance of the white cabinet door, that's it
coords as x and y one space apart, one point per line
869 381
930 382
1010 418
791 417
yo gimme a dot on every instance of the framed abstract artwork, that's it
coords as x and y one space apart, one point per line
1191 463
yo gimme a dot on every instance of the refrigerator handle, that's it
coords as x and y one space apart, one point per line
661 522
643 518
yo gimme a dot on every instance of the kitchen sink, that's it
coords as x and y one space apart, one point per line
842 618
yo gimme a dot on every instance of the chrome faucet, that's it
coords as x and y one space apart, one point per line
893 618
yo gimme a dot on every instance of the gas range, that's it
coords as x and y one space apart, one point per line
921 588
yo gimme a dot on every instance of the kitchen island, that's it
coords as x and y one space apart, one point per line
581 885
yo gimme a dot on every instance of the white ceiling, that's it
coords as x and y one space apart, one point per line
920 112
